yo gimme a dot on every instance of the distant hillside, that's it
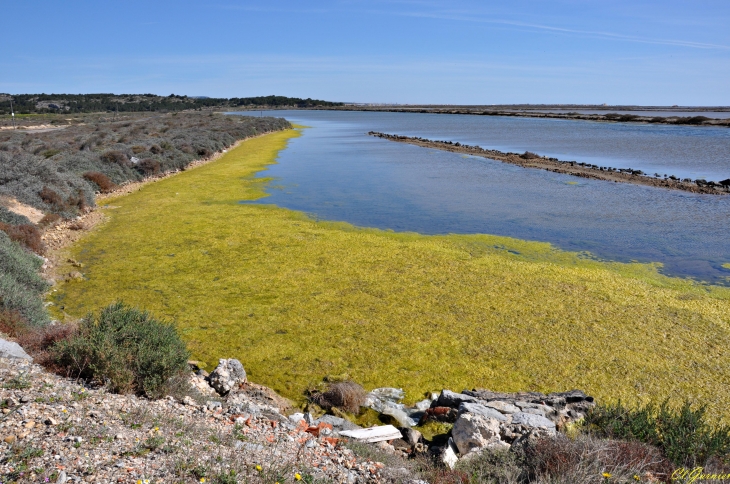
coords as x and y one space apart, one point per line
92 103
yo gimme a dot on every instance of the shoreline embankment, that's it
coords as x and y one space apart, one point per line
609 117
573 168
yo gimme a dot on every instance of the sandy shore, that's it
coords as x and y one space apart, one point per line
574 168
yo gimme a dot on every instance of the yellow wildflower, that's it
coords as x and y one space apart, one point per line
139 482
606 475
258 468
202 479
637 478
298 476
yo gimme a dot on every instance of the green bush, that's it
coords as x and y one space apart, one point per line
684 435
126 349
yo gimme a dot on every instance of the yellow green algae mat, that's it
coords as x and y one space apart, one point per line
296 300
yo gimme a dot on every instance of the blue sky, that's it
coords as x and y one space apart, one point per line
472 52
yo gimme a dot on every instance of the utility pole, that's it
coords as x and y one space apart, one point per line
12 113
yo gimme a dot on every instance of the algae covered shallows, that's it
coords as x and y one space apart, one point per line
297 299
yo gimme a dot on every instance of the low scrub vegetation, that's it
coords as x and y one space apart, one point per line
58 171
102 182
584 458
124 348
684 435
21 287
528 155
12 218
27 235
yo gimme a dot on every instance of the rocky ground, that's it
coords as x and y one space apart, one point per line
56 430
222 428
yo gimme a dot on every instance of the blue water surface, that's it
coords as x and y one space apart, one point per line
335 171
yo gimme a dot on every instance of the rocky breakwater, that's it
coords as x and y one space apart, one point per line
573 168
485 419
480 419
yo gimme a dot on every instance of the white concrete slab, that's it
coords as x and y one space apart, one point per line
374 434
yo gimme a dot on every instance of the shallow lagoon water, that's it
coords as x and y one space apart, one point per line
335 171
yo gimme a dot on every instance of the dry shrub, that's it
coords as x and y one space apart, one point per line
77 225
100 180
52 198
35 340
136 149
78 201
345 395
49 219
448 476
148 167
26 235
39 341
156 150
11 322
495 465
116 156
204 152
528 155
684 434
562 460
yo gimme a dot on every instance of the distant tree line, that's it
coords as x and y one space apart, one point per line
94 103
